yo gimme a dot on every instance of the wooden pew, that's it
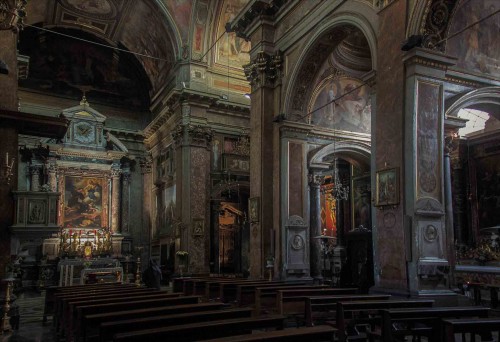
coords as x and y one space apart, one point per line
93 321
328 305
265 297
229 290
292 301
428 316
189 284
69 313
477 326
78 322
364 308
318 333
52 290
198 331
60 301
212 288
108 329
245 293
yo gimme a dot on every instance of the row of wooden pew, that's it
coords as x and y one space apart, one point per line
225 309
115 312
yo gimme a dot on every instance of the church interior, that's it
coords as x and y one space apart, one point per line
295 145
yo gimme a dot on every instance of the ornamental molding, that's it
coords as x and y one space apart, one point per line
435 26
61 152
265 69
76 171
196 135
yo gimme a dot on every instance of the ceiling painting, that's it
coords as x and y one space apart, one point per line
351 112
231 50
477 48
68 67
180 11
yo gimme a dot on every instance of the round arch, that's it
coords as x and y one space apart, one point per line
342 19
356 153
486 99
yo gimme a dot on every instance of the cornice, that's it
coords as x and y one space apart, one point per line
255 9
62 151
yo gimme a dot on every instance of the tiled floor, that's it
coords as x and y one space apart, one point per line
31 327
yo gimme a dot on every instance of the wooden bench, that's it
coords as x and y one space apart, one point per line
245 293
478 326
266 296
69 315
51 291
61 301
212 288
352 313
108 329
327 305
204 330
189 284
229 291
93 321
408 319
318 333
292 301
78 325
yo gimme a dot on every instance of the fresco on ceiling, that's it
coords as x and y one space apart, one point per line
146 34
477 48
180 11
231 50
91 6
351 113
199 26
68 67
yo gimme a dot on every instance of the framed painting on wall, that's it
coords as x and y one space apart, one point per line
84 201
387 187
198 227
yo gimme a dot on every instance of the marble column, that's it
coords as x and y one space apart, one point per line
52 174
315 181
146 164
125 205
193 146
115 200
34 171
449 146
264 73
425 199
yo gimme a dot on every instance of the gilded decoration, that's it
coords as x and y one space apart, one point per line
197 135
435 25
265 69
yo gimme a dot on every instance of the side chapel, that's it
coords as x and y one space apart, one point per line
350 141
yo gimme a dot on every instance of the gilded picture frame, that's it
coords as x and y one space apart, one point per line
387 187
254 209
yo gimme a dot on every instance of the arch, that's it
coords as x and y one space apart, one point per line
356 153
343 19
417 18
173 27
485 99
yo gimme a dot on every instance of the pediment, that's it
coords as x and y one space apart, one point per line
83 112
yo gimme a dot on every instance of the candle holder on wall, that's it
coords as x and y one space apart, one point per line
6 169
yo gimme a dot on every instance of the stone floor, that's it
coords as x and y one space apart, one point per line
31 327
